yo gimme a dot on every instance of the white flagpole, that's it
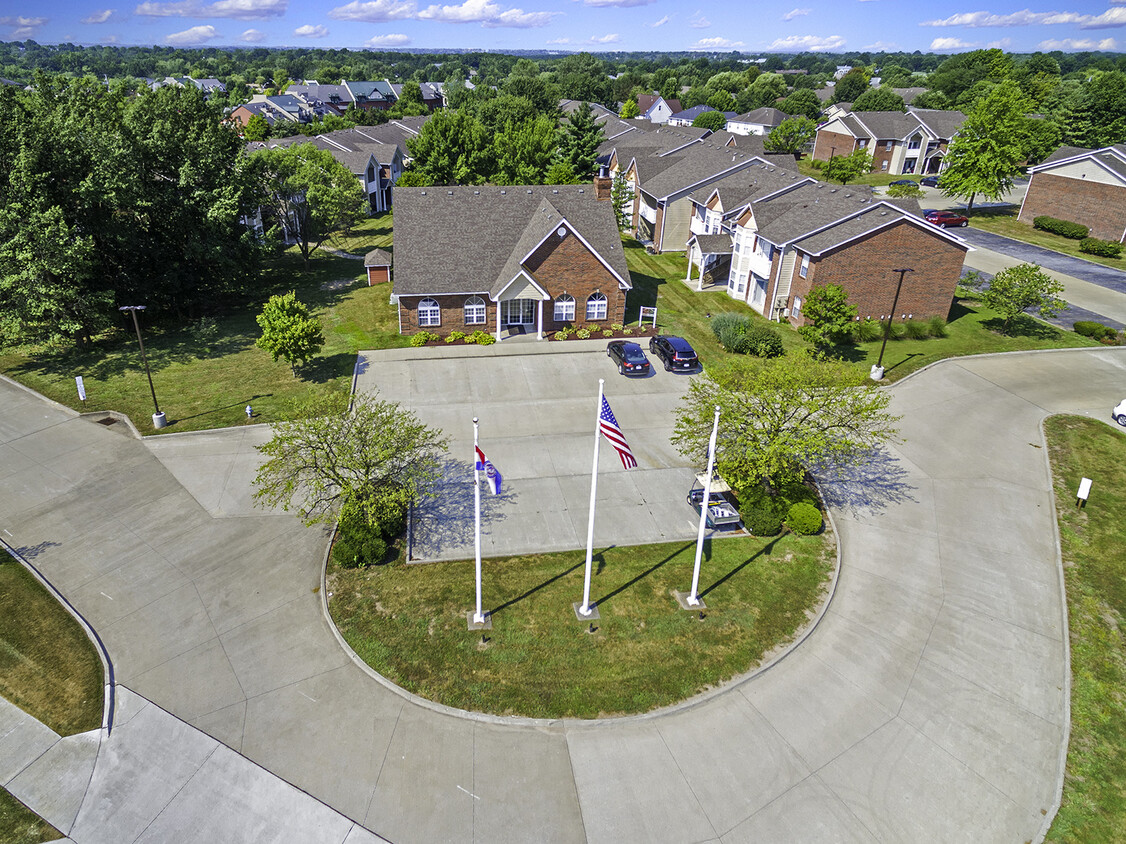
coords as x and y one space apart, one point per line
478 616
585 608
693 600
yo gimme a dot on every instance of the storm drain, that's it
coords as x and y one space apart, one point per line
109 420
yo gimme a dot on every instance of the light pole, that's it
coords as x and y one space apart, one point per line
878 370
158 418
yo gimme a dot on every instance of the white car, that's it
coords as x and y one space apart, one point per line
1119 413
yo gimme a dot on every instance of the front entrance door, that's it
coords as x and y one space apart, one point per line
518 312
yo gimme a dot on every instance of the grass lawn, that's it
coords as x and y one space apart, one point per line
409 624
48 667
1093 543
208 384
1003 221
20 825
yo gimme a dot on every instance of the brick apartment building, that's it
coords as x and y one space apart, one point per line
1081 185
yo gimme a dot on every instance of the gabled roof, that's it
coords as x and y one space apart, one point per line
758 181
1112 159
377 258
700 163
645 103
712 244
465 239
691 114
378 90
943 124
765 116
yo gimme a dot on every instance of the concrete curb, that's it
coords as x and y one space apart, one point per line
103 654
502 349
40 396
1118 349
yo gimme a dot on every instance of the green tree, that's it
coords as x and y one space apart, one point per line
1105 107
988 149
257 128
802 103
765 91
722 101
780 417
1017 289
1042 139
453 148
621 195
579 141
711 120
791 136
309 193
289 331
879 99
560 173
523 152
829 314
845 168
630 109
376 458
851 85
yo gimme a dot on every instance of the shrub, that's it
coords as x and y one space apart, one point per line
423 337
627 331
868 330
562 334
898 331
1064 228
1094 330
730 329
793 493
455 336
763 341
761 521
617 326
481 338
358 544
1102 248
583 333
804 519
936 325
606 332
916 330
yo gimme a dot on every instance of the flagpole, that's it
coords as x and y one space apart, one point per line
693 600
585 609
478 616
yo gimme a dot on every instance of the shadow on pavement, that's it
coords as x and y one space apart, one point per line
445 520
871 482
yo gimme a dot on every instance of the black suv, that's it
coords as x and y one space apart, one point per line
675 352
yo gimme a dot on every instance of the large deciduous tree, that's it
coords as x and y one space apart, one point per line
780 417
310 194
1017 289
791 136
376 458
829 314
845 168
989 148
879 99
453 148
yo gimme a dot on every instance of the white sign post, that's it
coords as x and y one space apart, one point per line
647 312
81 388
1084 492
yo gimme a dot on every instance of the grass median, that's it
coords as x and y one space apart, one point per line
20 825
409 624
1093 545
1003 221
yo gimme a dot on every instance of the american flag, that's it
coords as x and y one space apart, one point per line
609 427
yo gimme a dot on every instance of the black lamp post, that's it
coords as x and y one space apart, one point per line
158 418
878 370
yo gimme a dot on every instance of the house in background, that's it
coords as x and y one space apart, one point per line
276 108
901 143
1083 186
689 115
815 234
656 109
508 260
757 122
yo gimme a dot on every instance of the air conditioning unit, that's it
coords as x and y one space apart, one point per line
785 312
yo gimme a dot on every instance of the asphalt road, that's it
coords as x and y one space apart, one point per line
929 704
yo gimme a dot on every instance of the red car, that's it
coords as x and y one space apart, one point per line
943 219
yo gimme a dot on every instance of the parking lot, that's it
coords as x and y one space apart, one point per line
536 402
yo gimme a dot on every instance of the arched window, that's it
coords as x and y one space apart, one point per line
565 308
596 306
429 314
474 311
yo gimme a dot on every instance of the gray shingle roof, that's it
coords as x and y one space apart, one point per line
875 217
806 209
1112 157
945 124
466 239
765 116
713 244
759 180
377 258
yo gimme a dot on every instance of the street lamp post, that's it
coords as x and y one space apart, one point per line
158 418
878 370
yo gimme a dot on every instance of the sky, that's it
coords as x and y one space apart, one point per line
574 25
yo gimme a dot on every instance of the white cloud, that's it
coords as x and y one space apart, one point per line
1025 17
1109 18
812 43
942 45
795 13
881 47
373 11
716 44
627 3
246 10
471 11
98 17
387 41
195 35
612 38
661 22
253 36
109 39
22 26
698 21
1066 44
165 10
310 31
519 19
558 41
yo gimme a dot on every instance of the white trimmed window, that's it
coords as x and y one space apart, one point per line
596 306
795 312
804 271
474 311
429 314
565 308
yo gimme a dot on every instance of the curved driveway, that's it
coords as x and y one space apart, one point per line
929 704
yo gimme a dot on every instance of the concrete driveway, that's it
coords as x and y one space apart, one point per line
929 704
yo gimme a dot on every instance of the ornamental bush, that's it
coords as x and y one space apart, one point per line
454 336
481 338
423 337
762 341
730 330
867 330
583 333
358 544
1064 228
1102 248
761 521
916 330
1094 330
936 325
804 519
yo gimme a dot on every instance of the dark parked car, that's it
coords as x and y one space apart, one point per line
675 352
929 181
910 182
943 219
628 356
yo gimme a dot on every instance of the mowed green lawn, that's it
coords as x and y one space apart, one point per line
1093 545
20 825
539 660
1003 221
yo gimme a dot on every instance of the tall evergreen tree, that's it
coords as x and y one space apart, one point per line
579 141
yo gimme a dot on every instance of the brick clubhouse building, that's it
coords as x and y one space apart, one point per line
508 260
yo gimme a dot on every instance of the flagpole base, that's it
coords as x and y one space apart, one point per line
684 599
473 624
591 614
